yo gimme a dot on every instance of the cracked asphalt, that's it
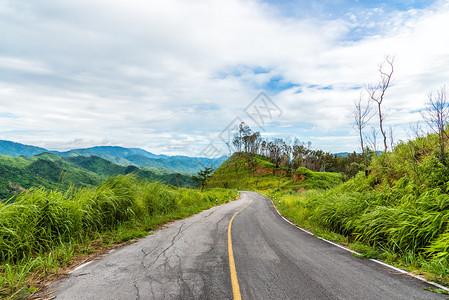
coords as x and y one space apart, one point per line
274 260
186 260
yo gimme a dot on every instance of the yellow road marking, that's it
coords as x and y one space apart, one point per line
234 280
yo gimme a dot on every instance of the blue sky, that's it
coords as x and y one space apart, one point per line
336 8
170 76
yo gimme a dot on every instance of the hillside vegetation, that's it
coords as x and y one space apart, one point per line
245 171
43 230
398 212
54 172
158 164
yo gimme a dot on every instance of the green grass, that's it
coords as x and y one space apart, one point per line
42 230
405 229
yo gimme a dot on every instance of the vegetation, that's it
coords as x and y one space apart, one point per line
201 177
399 212
245 171
290 155
121 156
54 172
43 230
395 207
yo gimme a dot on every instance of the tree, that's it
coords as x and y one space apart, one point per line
247 139
391 135
362 115
237 142
244 133
377 93
202 177
372 139
436 115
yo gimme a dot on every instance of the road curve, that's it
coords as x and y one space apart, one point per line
273 260
276 260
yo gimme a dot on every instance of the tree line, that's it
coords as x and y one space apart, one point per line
291 154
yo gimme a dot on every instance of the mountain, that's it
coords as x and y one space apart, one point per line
346 154
122 156
43 170
182 164
16 149
52 171
111 151
342 154
87 153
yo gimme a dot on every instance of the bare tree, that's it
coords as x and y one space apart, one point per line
415 131
436 115
362 115
391 136
372 139
377 92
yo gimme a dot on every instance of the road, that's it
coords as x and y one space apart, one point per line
189 259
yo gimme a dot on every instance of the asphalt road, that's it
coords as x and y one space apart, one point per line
189 259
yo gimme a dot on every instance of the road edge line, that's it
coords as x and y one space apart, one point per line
355 252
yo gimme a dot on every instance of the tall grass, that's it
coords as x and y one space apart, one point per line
407 224
40 229
400 210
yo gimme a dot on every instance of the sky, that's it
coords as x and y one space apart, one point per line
175 77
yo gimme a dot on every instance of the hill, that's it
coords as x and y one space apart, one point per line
117 151
17 149
162 164
54 172
246 171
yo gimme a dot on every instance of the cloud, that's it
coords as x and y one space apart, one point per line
147 74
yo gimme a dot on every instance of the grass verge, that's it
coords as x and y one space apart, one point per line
44 233
341 219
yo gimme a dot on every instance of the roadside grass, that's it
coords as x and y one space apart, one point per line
408 234
44 232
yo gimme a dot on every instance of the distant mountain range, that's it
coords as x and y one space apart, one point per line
346 154
121 156
52 171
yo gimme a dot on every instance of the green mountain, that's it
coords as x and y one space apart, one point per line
122 156
43 170
119 151
142 158
182 164
55 172
17 149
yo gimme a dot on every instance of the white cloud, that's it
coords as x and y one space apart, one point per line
11 63
150 73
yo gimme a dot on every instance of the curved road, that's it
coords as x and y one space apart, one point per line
273 260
